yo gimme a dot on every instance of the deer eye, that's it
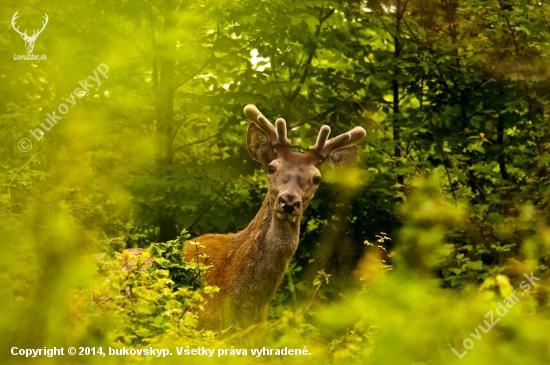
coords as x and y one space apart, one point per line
317 180
270 169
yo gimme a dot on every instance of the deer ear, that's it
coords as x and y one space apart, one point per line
342 156
259 145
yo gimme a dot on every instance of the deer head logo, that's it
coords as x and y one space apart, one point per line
29 40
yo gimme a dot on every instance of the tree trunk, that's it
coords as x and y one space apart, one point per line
395 86
164 109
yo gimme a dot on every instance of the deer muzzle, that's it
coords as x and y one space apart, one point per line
289 203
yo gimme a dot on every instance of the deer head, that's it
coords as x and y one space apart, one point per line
293 177
29 40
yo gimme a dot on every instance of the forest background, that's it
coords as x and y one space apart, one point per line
401 257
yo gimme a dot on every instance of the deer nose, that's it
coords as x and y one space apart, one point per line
289 202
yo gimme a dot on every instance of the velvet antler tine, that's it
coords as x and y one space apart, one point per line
267 127
323 146
336 142
344 140
277 136
356 133
281 132
256 116
252 112
321 139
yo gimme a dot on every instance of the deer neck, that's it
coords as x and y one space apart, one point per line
269 244
272 236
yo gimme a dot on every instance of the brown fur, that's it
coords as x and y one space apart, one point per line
247 267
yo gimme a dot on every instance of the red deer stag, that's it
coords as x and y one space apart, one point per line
248 266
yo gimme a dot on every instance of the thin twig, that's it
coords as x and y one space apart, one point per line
209 207
16 172
445 159
313 297
293 94
196 142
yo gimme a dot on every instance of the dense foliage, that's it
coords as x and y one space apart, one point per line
400 257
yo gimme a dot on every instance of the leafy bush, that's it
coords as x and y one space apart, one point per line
153 295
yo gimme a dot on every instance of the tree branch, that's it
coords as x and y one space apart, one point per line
201 69
274 68
295 93
209 207
196 142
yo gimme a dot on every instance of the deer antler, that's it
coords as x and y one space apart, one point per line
277 135
35 33
13 19
324 146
